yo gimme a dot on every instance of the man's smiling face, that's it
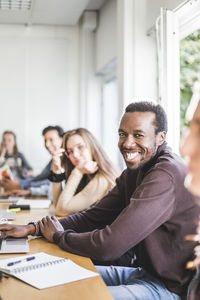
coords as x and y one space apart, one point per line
138 141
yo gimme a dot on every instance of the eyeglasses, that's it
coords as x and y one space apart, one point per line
79 148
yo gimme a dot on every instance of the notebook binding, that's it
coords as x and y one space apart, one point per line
38 266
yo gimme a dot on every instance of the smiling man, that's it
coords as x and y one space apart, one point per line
148 213
138 141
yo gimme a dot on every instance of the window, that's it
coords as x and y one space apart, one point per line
171 27
110 118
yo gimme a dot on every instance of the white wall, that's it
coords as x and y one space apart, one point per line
38 83
145 68
109 46
90 85
106 35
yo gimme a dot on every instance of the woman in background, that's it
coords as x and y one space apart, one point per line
88 172
10 156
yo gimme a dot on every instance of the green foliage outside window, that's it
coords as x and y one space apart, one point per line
189 70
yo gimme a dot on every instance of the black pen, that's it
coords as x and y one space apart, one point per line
18 261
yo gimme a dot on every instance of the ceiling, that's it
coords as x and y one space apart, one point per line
45 12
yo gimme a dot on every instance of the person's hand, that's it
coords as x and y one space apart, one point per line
49 226
3 151
30 173
56 160
24 193
89 167
10 185
16 230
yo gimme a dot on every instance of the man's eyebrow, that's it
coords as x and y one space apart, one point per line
135 130
138 130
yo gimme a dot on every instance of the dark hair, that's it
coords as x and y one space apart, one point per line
98 154
15 149
57 128
143 106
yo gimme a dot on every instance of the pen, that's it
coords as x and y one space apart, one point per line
18 261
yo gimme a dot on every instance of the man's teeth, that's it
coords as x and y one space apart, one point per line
131 155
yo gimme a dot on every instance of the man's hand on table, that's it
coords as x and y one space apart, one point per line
10 230
49 226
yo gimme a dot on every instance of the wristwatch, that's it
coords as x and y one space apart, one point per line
37 228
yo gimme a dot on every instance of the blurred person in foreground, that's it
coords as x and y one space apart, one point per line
190 149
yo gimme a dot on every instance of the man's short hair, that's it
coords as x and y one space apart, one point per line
57 128
144 106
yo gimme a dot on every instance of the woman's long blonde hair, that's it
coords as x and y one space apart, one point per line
105 166
15 150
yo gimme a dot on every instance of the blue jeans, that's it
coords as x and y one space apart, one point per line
134 284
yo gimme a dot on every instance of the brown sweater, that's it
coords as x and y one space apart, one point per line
149 211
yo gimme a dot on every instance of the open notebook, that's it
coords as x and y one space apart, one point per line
42 270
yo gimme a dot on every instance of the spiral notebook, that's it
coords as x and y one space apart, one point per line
42 270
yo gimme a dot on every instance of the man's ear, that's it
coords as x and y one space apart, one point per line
161 137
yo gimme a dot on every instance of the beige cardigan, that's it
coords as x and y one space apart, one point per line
65 202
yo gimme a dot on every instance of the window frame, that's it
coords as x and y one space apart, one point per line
171 27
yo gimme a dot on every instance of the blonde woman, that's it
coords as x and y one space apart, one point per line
88 172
